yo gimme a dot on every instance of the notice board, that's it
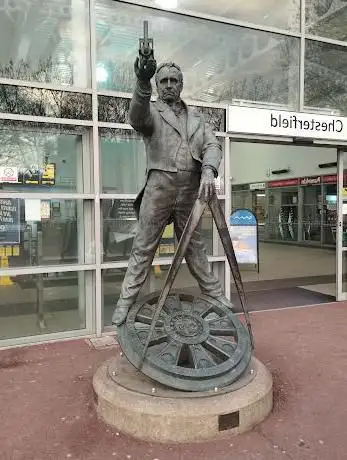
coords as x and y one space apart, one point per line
9 221
243 230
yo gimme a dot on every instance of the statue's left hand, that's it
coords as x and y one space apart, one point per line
207 184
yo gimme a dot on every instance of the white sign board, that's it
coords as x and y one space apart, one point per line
249 120
33 210
257 186
8 174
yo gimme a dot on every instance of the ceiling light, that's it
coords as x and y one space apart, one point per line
101 74
328 165
169 4
281 171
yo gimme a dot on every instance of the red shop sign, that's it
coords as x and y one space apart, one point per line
315 180
331 179
283 183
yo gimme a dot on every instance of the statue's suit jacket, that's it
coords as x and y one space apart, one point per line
162 135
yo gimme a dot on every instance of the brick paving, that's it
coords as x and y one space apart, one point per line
46 408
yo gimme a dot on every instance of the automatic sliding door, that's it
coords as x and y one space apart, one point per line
341 246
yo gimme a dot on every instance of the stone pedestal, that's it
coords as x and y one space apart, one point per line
136 405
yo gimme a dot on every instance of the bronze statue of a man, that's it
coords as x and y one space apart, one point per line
183 157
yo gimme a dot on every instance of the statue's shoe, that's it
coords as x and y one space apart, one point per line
223 300
120 315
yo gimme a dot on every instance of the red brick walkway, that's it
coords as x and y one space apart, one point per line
46 408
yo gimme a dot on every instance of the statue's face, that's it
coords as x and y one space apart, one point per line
169 84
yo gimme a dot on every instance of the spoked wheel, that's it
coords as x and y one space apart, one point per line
198 343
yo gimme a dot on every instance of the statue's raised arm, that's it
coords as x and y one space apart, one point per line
144 67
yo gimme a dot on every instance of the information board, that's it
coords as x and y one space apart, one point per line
8 174
124 209
243 230
167 242
38 176
9 221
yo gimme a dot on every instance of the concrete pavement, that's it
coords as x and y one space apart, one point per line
47 412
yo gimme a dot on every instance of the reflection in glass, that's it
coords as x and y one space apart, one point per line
41 304
327 18
283 14
113 109
325 77
344 201
112 281
49 41
282 221
42 232
45 102
123 161
312 209
44 160
120 226
215 117
329 210
229 63
344 271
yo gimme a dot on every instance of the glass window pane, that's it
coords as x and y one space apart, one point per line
49 41
327 18
325 77
120 226
311 225
282 219
123 161
329 209
112 109
42 232
229 63
41 159
284 14
41 304
41 102
112 281
344 271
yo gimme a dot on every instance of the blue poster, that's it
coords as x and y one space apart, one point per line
244 236
9 221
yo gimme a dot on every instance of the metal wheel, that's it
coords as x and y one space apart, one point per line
198 343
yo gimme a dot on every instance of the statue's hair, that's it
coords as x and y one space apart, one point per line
168 65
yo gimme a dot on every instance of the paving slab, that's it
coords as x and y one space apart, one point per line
47 409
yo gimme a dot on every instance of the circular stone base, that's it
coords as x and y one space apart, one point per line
140 407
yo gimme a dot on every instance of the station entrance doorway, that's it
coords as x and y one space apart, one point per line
298 194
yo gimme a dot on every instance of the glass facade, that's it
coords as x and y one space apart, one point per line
49 41
71 166
228 62
301 206
325 76
293 211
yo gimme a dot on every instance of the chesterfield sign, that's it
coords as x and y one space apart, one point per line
248 120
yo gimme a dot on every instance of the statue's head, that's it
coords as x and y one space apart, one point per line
169 80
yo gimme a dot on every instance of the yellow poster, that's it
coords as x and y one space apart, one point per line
167 243
169 231
48 174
